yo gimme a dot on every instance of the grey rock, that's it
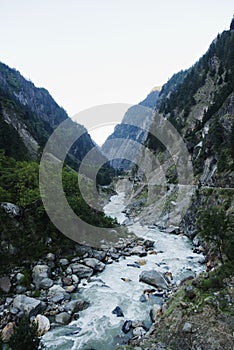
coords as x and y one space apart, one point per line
118 312
43 324
99 254
154 312
46 283
81 270
187 328
148 244
20 289
14 311
74 306
5 284
50 257
11 209
19 278
75 279
127 326
95 264
138 250
63 318
39 273
63 262
56 294
139 332
28 305
153 278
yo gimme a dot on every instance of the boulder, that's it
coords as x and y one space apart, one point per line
138 250
63 262
50 257
43 324
39 273
139 332
7 332
153 278
12 209
5 284
118 312
74 306
127 326
63 318
95 264
19 278
70 289
99 254
56 294
148 244
81 270
67 280
27 305
46 283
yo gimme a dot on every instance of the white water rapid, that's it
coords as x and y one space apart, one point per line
97 328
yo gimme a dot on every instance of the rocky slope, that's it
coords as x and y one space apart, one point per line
122 147
199 103
29 115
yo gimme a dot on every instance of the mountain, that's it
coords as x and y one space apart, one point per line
198 104
29 115
121 146
28 118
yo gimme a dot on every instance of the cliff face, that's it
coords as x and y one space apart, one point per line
123 146
29 115
199 104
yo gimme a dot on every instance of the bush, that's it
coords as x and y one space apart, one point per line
25 336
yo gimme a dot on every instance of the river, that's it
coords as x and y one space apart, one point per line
97 328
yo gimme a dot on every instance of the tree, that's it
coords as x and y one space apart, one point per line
215 227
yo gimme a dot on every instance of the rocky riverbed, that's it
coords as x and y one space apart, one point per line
100 297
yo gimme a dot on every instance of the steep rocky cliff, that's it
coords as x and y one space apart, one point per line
123 146
29 115
199 105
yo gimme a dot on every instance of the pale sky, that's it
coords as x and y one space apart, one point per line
93 52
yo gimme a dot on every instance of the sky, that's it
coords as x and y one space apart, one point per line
94 52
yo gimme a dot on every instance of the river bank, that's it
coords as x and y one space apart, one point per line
77 298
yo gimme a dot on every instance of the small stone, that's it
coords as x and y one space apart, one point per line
7 332
127 326
95 264
118 312
139 332
19 278
50 257
63 318
5 284
187 328
63 262
43 324
67 281
70 289
14 311
20 289
46 283
76 305
75 279
155 312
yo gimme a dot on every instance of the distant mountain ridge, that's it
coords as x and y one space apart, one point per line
29 115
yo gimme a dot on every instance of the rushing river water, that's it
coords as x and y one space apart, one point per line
97 328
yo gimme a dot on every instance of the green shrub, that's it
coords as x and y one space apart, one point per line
25 336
